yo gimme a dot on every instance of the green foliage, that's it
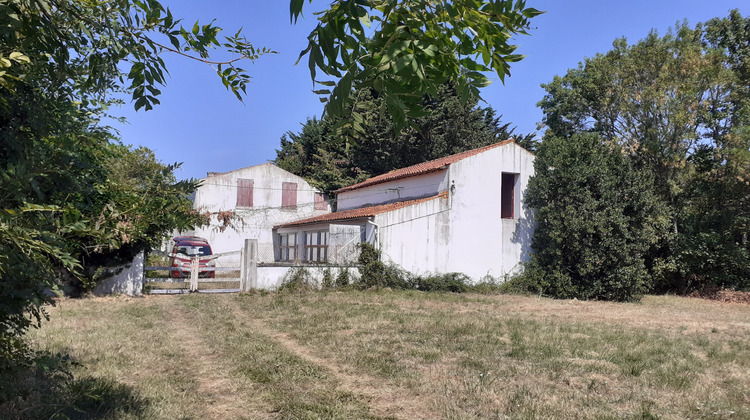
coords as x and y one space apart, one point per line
679 107
375 273
72 198
297 280
330 160
406 49
342 279
597 218
328 280
91 49
448 282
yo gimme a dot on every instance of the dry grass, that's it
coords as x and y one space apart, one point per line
409 355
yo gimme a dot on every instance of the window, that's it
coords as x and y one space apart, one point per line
320 202
287 246
193 250
316 246
508 196
244 192
288 195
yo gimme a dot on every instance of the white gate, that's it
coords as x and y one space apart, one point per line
226 272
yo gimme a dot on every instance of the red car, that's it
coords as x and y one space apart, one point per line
191 246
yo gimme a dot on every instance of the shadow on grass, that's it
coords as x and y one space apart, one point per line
55 394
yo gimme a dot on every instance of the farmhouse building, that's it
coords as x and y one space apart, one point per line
246 203
461 213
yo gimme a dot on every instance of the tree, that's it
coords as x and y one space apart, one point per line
330 160
405 49
596 216
678 106
65 203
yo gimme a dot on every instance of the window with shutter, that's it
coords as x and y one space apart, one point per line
244 192
288 195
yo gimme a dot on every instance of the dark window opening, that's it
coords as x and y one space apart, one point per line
507 196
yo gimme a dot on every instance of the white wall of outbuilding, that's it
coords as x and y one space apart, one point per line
463 231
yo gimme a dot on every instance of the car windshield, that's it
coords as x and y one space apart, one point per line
194 250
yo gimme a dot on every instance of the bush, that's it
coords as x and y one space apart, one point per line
597 217
298 279
327 282
375 273
342 280
449 282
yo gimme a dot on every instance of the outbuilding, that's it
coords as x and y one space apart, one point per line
461 213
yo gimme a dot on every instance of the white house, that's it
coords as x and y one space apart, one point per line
246 203
461 213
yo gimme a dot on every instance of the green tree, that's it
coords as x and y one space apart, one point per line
329 159
404 49
678 106
596 216
63 204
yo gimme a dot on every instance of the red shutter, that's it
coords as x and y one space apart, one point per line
320 202
244 192
289 195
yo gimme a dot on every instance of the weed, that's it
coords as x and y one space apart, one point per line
298 279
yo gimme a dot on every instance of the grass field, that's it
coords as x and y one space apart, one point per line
403 355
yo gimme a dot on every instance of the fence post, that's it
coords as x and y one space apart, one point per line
242 269
249 276
194 274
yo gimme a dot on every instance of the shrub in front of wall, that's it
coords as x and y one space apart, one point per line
298 279
448 282
342 280
327 282
375 273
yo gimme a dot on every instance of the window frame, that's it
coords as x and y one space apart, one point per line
509 195
287 252
316 246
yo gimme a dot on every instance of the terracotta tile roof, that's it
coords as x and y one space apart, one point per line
359 213
422 168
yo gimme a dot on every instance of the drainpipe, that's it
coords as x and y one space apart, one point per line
376 235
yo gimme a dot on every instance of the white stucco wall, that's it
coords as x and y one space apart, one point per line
398 190
218 193
415 237
481 242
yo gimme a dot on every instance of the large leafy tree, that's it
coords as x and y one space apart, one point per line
65 202
324 154
677 105
404 49
597 217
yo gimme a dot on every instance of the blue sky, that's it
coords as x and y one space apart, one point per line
204 126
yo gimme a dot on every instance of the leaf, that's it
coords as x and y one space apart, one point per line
19 57
295 9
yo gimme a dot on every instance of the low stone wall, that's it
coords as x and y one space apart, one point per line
126 279
271 277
